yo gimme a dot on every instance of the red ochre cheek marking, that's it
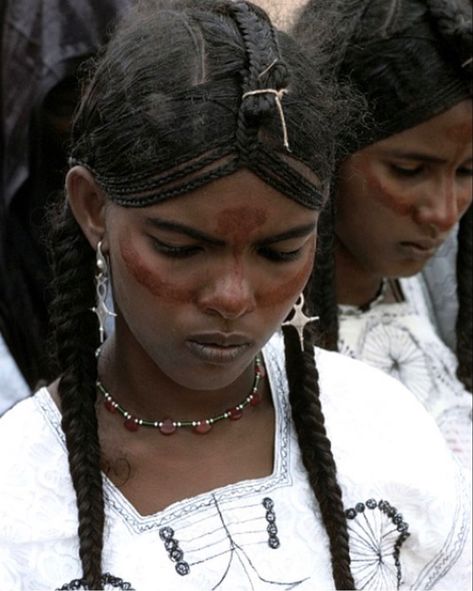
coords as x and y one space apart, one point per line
379 190
292 285
149 278
238 223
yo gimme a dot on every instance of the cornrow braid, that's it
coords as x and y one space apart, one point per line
464 324
76 339
304 396
265 70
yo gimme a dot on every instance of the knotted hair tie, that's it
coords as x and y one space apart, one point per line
278 95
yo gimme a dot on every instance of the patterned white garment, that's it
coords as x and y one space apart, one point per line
407 508
400 339
13 387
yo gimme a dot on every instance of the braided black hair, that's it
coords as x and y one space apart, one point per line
316 450
75 342
391 50
145 101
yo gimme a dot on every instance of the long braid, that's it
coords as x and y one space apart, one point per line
321 290
464 324
304 396
76 339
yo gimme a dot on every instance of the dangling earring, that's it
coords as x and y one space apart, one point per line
299 319
101 290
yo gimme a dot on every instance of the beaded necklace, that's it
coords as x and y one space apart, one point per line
202 426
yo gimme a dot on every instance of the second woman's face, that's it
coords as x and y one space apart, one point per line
399 198
202 281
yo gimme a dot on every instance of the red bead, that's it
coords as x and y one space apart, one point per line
235 414
203 428
168 428
131 425
261 370
109 406
255 400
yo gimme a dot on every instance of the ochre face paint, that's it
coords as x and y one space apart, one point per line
392 198
149 278
238 224
460 133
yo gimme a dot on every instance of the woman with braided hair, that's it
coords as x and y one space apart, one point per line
405 190
189 449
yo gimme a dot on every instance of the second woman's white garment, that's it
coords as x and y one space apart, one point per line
397 476
400 339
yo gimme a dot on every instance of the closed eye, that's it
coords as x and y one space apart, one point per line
280 256
172 251
406 171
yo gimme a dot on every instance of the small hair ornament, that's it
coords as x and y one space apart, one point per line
101 289
299 319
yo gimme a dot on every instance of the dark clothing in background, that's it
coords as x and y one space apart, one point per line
43 43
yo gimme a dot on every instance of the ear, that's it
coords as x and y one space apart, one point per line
88 202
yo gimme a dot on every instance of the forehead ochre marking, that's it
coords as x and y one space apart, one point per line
239 223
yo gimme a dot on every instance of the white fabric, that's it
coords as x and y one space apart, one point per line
13 387
400 339
440 277
385 445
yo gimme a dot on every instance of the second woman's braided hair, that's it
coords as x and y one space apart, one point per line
179 99
410 60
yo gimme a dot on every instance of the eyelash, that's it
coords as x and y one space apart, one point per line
176 252
406 172
182 252
411 172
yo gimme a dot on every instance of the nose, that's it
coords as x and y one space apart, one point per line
443 207
229 294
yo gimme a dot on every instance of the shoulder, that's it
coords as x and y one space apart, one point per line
36 482
376 423
388 449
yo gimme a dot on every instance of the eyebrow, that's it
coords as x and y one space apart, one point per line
417 156
177 228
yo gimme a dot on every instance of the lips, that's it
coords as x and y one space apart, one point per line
425 245
218 347
420 250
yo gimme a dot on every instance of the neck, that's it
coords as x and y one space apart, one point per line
138 384
355 285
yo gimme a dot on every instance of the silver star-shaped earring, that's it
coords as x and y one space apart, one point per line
300 319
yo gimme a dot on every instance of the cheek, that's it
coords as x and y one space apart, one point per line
152 278
387 192
291 287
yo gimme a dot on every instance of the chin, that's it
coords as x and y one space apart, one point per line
407 269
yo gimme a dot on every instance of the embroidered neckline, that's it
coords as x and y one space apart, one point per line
117 502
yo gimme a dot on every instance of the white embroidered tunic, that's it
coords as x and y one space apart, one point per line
404 494
400 339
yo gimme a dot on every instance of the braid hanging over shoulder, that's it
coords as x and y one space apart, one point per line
304 396
75 340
